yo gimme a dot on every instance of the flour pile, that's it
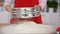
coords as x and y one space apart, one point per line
28 27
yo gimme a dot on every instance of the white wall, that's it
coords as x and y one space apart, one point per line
4 17
51 19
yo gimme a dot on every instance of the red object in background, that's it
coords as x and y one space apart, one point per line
58 29
27 3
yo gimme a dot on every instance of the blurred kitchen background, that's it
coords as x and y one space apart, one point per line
50 14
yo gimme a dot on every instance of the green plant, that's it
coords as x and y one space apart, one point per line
52 4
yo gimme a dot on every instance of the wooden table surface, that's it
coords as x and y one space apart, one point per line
2 25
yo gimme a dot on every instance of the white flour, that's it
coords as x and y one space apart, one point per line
28 27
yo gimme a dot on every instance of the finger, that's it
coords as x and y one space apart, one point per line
10 14
37 6
39 10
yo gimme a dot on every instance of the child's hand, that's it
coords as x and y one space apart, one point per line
39 8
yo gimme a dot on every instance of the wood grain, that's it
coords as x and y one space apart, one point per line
2 25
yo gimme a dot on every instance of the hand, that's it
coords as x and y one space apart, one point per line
39 8
10 14
8 8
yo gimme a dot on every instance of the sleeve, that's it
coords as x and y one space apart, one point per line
42 3
7 2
